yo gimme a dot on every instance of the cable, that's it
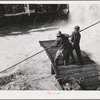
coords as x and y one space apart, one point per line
18 18
22 61
44 50
90 26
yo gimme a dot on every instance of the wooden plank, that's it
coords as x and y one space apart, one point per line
93 87
73 67
88 74
52 51
51 59
91 81
86 71
47 43
80 68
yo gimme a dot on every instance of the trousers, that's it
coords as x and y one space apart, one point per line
78 52
64 53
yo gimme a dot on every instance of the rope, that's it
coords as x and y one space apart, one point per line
36 18
22 61
44 50
18 19
90 26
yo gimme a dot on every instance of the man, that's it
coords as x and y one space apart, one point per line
70 48
63 45
75 39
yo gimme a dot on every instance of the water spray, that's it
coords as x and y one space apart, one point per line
44 50
90 26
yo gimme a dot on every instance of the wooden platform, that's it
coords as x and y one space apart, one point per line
88 74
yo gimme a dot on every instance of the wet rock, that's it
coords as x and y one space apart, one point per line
70 83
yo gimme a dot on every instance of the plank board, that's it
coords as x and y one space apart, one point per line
89 74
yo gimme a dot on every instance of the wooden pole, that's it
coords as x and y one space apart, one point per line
27 9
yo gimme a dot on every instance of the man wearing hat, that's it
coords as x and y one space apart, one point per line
62 43
75 39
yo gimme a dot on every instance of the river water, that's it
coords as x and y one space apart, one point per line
15 48
85 15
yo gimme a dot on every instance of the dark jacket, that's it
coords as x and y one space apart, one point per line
61 42
75 37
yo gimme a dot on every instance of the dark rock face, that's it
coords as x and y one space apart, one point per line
32 13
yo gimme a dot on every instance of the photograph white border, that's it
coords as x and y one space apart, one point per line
54 94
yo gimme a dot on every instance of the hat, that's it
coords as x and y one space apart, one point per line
77 27
58 34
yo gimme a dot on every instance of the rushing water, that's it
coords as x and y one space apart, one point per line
85 15
16 48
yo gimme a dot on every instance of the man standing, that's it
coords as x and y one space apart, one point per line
62 43
75 39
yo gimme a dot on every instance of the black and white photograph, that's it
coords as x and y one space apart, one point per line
50 46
